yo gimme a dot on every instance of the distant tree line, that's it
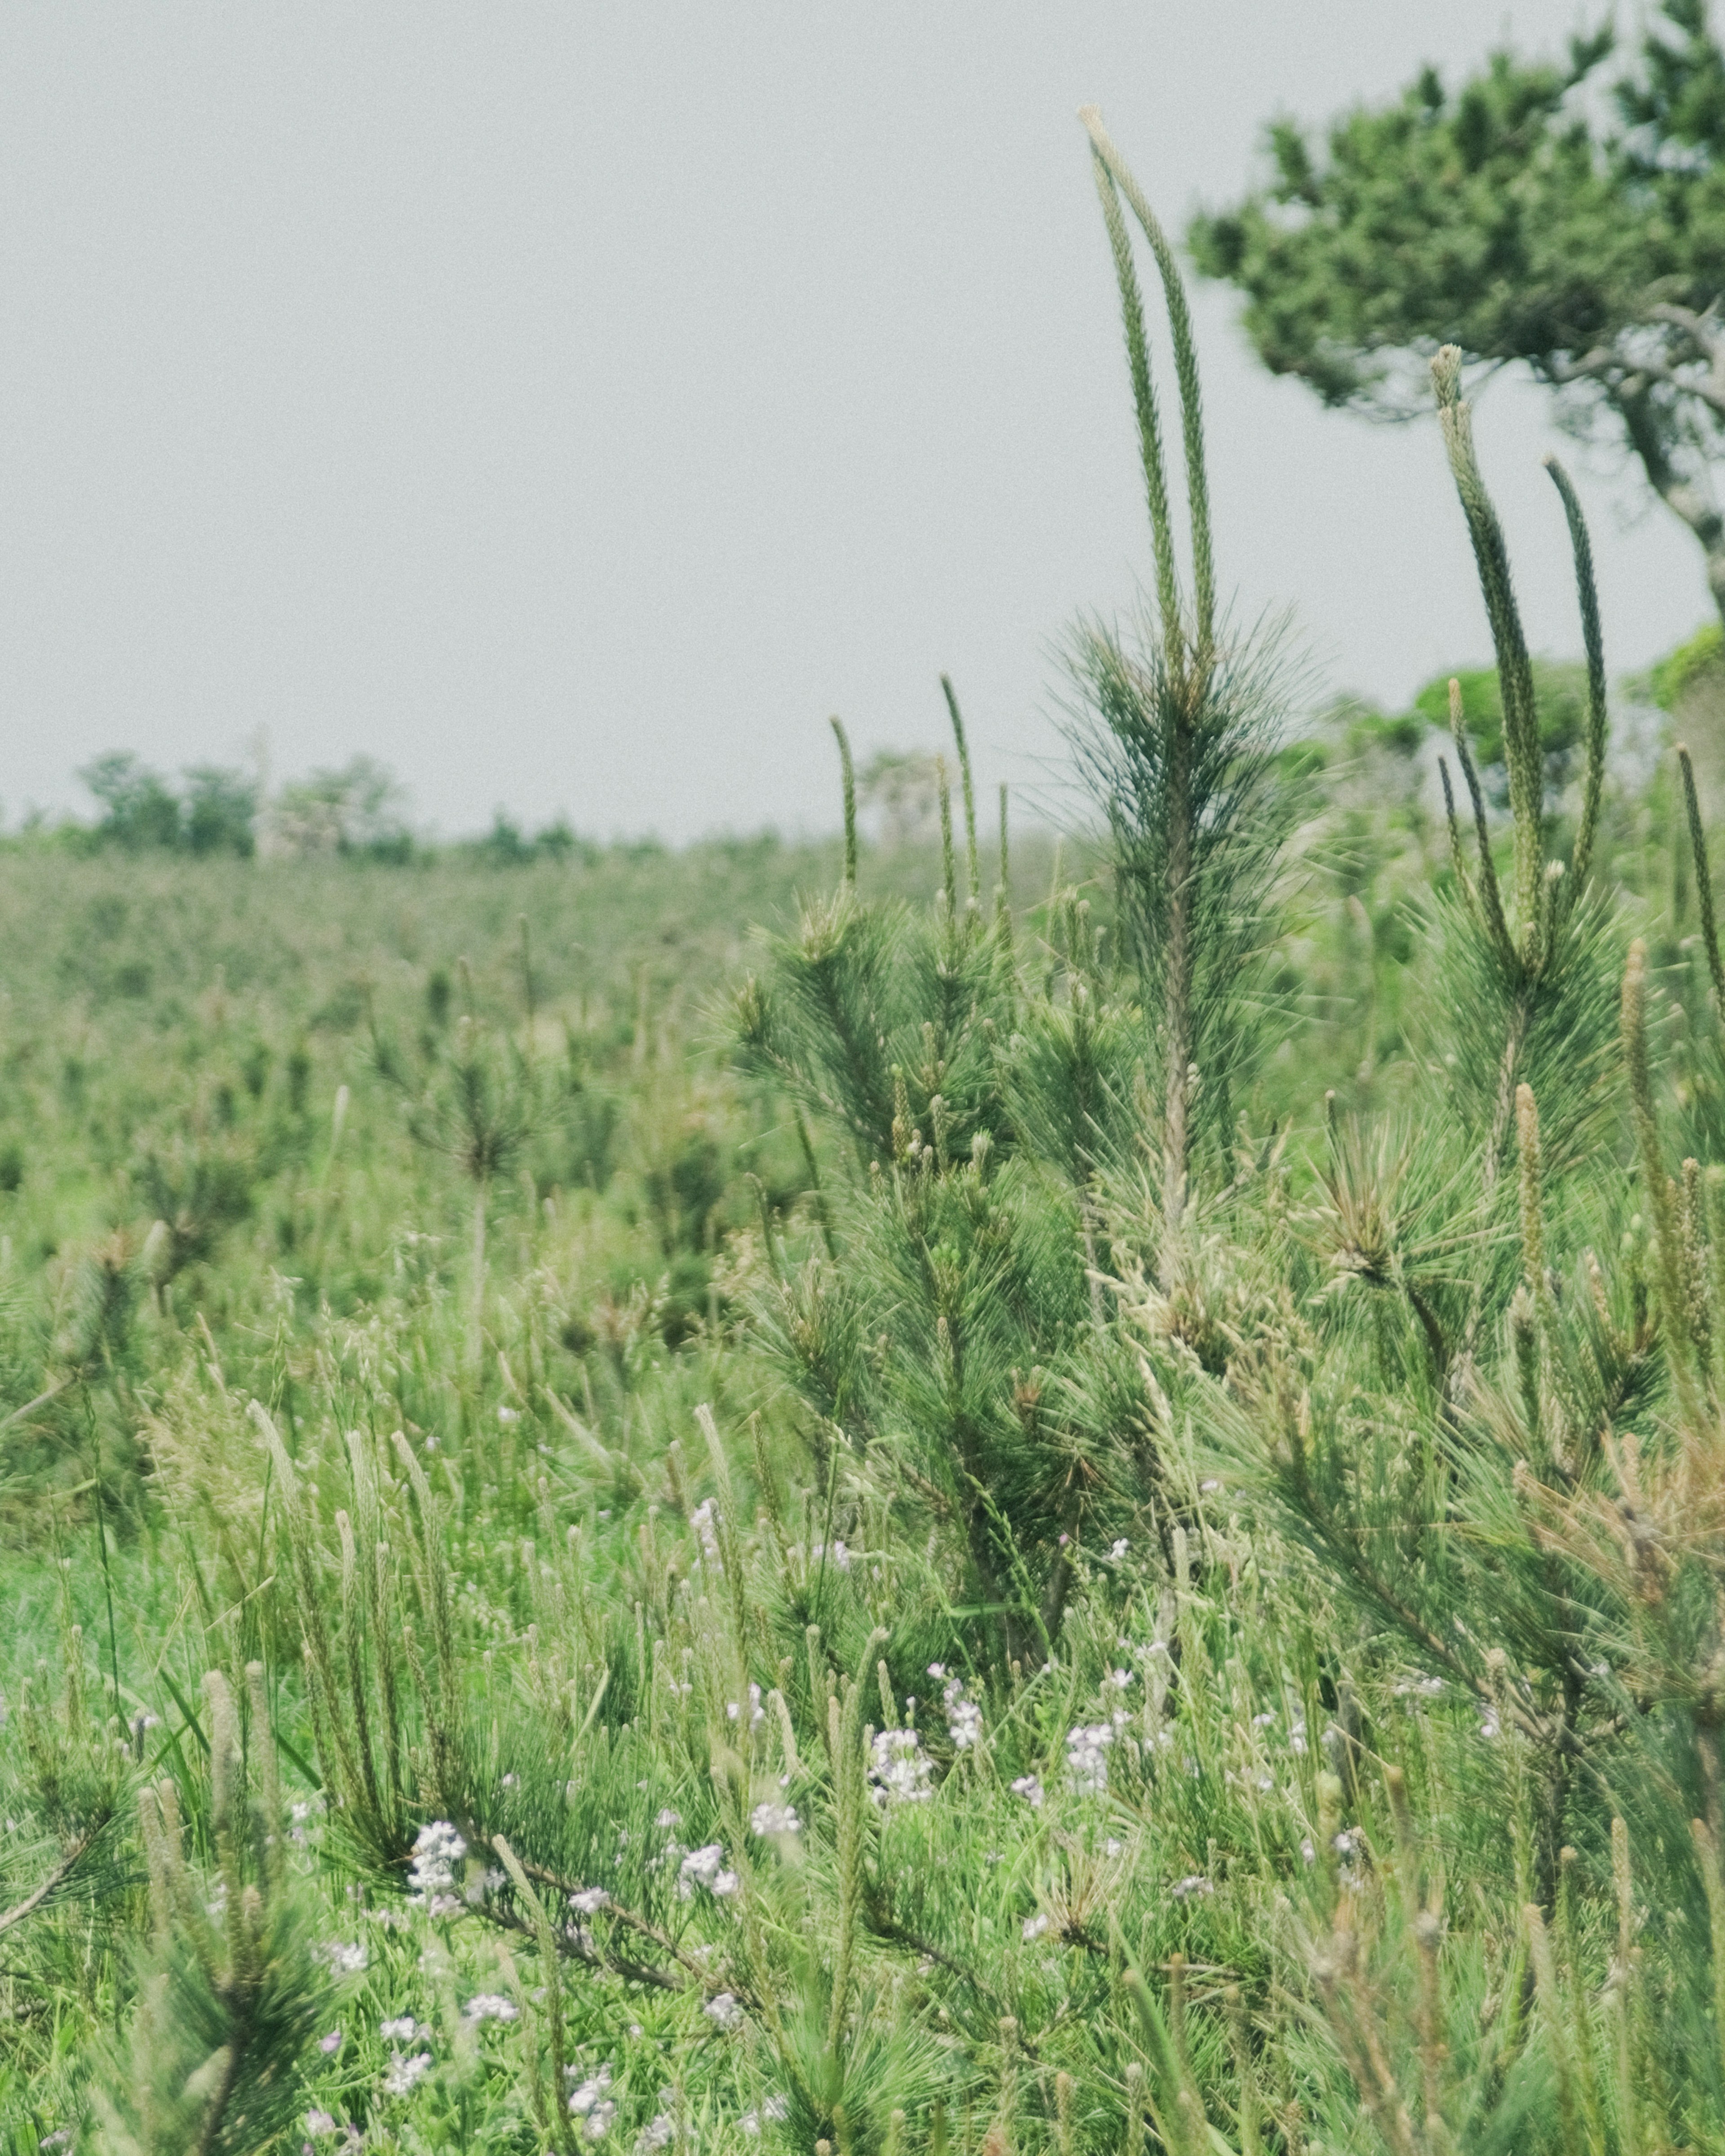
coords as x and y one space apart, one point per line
358 811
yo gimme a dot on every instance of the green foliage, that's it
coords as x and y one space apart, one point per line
1692 662
1560 695
1564 216
213 814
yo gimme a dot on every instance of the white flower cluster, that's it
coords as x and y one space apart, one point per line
590 2103
1035 1927
837 1555
588 1901
302 1813
437 1848
657 2134
757 1713
1184 1889
318 2123
402 2031
705 1867
491 2006
773 2107
1029 1788
346 1960
1087 1758
775 1819
723 2010
704 1519
900 1768
405 2075
964 1717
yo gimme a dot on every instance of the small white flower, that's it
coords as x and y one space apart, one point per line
669 1819
345 1958
590 1901
437 1848
1184 1889
1029 1788
405 2075
332 2042
491 2006
1087 1758
657 2134
775 1819
1035 1927
704 1867
1119 1549
704 1520
723 2009
402 2031
964 1717
507 1415
317 2121
590 2096
900 1768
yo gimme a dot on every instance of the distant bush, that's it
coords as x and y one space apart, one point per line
213 812
1560 694
1691 664
506 846
356 810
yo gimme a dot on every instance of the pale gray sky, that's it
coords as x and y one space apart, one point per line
572 405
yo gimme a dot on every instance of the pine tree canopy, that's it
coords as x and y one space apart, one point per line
1569 217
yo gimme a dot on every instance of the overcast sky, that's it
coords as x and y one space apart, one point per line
572 405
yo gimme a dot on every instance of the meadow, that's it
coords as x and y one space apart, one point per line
993 1494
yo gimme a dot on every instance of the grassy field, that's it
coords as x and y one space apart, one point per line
872 1799
816 1498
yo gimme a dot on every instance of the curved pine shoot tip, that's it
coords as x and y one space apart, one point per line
1497 927
1658 1194
1149 419
849 771
949 869
963 748
1703 877
1515 671
1593 639
1186 374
